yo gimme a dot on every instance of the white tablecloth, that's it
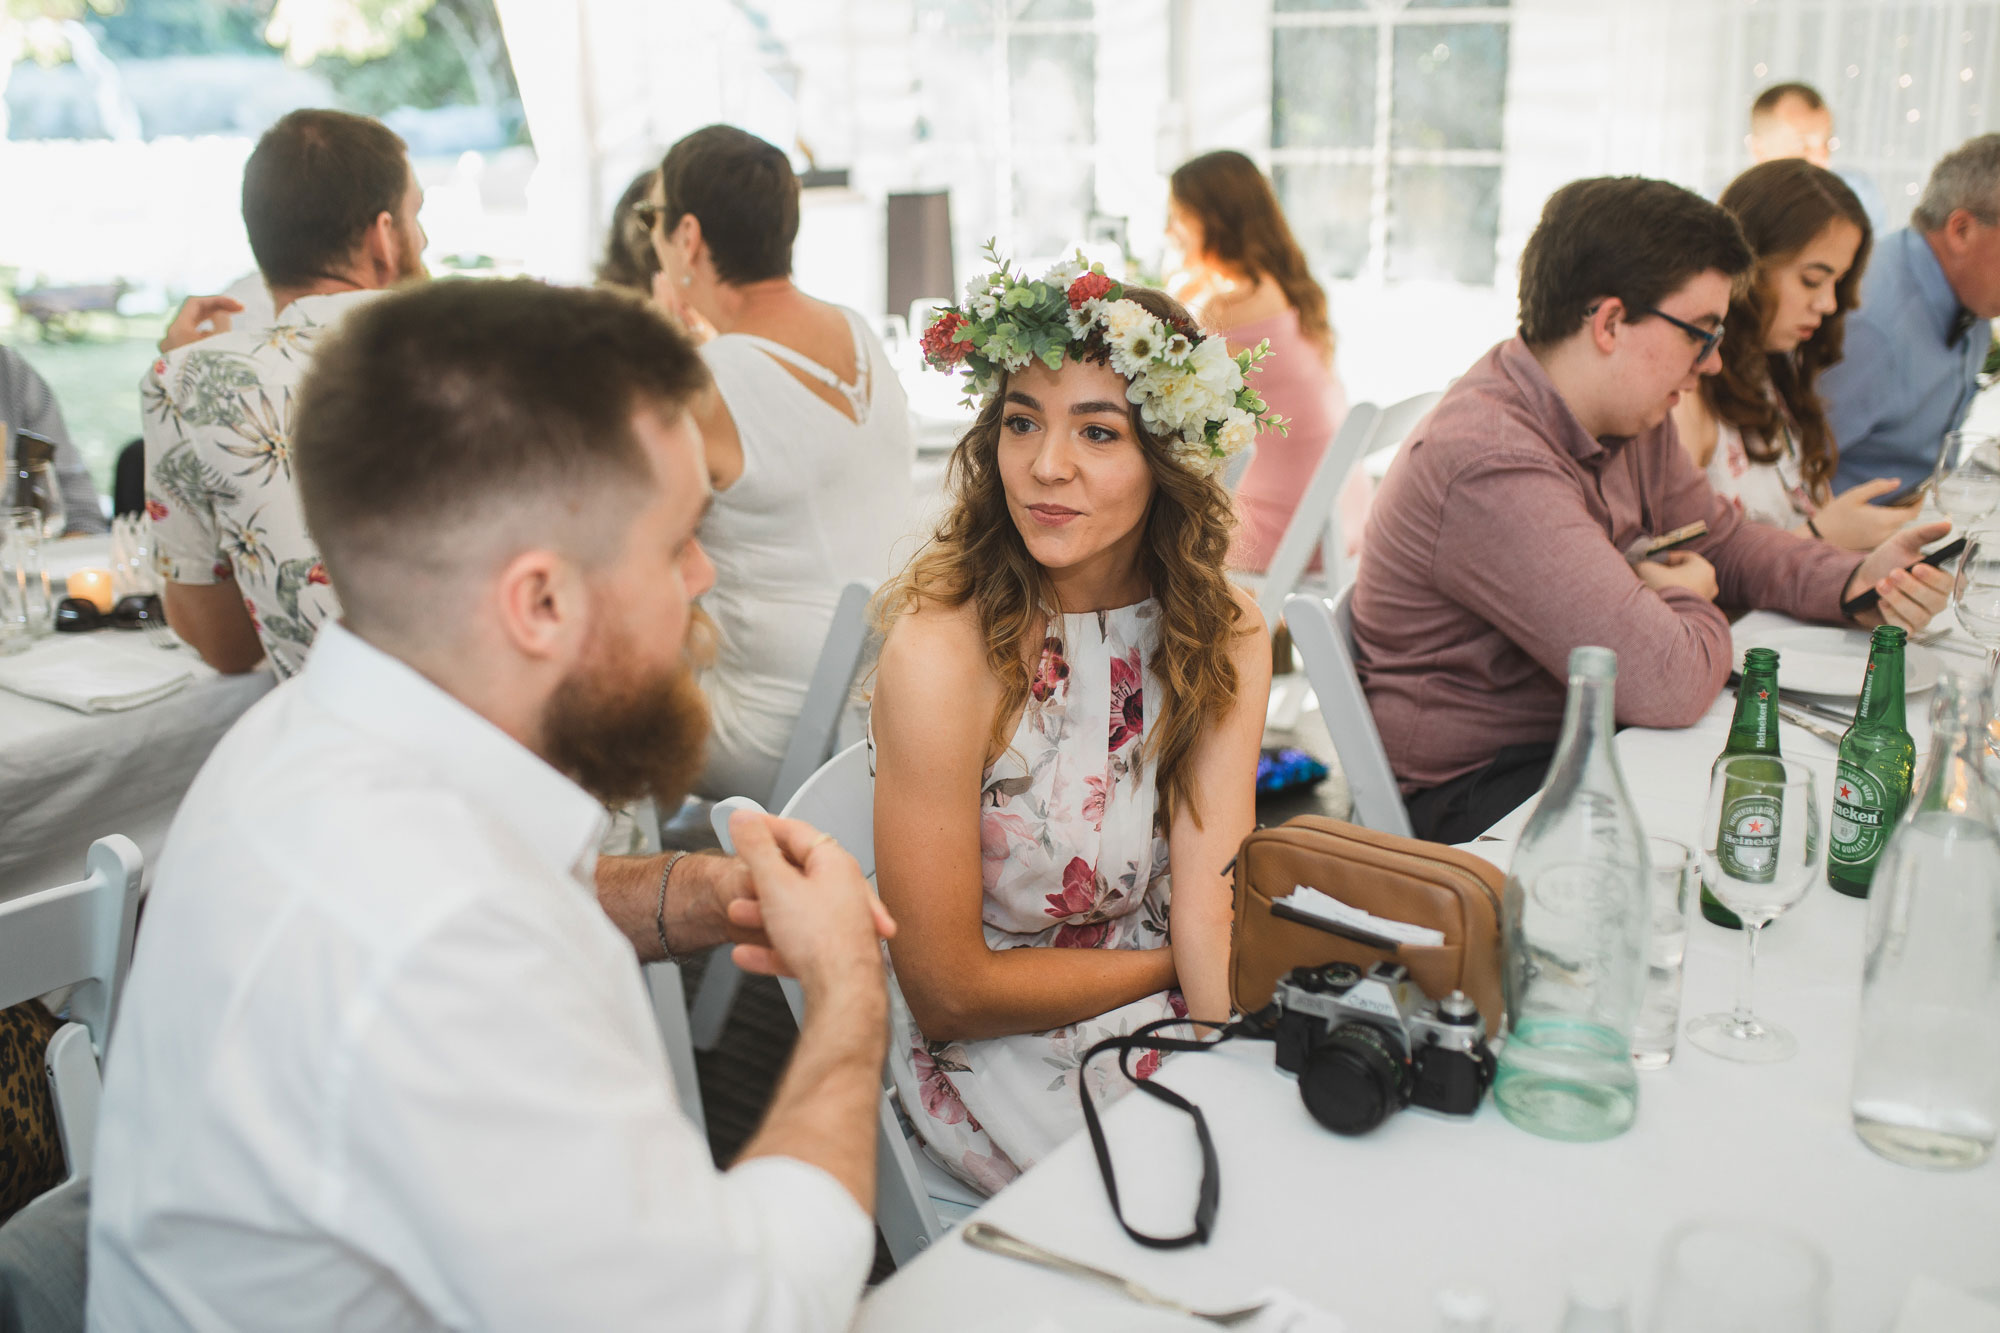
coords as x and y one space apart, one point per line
1373 1228
68 778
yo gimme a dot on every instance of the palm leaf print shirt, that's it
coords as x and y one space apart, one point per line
218 428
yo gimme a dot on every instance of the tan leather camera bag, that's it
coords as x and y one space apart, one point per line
1422 883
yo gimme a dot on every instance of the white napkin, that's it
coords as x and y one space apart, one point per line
102 672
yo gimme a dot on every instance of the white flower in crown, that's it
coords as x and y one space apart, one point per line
1239 430
1215 368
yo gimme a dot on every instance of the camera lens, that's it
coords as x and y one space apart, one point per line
1353 1079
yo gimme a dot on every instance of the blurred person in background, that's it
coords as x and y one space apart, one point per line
1757 425
330 204
629 261
1916 346
27 403
807 437
1245 277
1793 120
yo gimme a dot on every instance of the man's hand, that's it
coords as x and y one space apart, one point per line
1678 569
196 311
812 906
1850 522
1910 596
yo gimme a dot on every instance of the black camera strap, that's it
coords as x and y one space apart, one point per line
1254 1027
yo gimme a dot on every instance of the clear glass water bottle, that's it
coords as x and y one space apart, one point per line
1927 1062
1577 915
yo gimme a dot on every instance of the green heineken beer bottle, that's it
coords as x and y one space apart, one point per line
1871 781
1748 840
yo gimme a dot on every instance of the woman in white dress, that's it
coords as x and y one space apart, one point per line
808 440
1758 427
1067 714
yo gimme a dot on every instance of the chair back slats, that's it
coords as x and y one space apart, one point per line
1324 633
73 933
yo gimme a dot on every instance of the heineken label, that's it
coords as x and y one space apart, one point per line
1747 847
1861 816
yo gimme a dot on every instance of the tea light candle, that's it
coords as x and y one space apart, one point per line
93 585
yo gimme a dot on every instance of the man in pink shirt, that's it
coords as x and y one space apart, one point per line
1498 542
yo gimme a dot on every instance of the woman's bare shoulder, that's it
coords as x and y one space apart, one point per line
934 664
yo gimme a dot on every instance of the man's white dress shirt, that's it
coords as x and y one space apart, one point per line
384 1063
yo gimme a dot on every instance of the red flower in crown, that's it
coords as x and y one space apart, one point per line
942 345
317 574
155 510
1087 288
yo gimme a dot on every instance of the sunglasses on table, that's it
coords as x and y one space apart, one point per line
74 615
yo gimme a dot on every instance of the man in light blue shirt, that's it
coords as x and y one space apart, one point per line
1916 344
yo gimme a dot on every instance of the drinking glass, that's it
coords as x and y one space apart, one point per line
1975 590
1966 484
1760 851
30 605
1741 1277
1674 872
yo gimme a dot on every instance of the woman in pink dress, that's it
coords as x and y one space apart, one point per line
1245 278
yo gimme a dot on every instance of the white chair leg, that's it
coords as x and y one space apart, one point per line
1290 696
903 1206
663 980
713 999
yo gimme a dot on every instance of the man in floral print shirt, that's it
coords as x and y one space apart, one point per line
330 205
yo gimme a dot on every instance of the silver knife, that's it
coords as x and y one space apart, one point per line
1805 723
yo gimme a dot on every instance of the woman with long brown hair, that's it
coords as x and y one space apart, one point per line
1758 426
1246 278
1066 714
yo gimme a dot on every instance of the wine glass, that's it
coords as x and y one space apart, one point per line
1741 1277
1966 484
1975 590
1760 850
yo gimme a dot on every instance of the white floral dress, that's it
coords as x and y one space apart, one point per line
1071 857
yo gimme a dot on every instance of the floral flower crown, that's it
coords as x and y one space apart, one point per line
1187 386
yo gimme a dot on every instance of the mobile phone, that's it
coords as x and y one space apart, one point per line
1867 598
1648 547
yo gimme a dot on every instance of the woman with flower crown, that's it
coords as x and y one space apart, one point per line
1067 712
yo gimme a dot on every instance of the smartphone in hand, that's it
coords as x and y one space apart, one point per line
1866 598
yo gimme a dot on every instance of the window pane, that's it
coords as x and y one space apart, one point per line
1443 222
1451 79
1054 9
1053 194
1328 209
1323 87
1317 6
1054 88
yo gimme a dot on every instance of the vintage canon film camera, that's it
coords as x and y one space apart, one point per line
1364 1045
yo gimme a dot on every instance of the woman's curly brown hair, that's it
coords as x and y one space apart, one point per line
976 555
1782 206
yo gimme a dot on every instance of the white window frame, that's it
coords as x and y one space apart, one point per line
1380 156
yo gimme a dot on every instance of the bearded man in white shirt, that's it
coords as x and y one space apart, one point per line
383 1060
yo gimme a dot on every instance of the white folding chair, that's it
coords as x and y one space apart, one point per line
915 1199
1394 427
77 935
1324 633
841 658
1312 527
1233 470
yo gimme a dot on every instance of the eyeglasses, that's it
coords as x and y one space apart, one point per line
75 615
649 214
1706 338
